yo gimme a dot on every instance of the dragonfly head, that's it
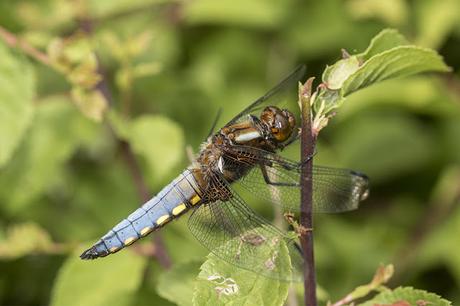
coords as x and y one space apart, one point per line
280 122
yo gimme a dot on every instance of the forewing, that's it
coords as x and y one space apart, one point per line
237 235
276 179
277 94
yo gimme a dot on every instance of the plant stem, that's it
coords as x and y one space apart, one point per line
14 42
307 143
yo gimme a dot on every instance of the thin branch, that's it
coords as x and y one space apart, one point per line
14 42
307 143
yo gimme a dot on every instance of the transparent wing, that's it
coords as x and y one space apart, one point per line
237 235
276 179
276 95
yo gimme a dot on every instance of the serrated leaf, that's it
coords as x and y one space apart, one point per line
56 131
102 282
407 294
220 283
17 89
176 284
159 140
385 40
397 62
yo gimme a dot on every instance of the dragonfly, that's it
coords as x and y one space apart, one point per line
243 154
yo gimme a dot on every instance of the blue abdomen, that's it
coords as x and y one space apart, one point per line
172 201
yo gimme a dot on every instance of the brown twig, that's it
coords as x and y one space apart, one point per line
14 42
307 143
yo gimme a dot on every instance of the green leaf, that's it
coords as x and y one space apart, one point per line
397 62
220 283
334 76
159 141
58 129
407 294
102 282
387 57
26 238
17 89
385 40
176 284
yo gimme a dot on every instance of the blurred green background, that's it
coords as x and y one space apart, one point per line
171 65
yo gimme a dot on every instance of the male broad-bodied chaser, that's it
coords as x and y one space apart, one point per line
243 153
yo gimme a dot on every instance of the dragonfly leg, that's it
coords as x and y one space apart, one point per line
294 166
216 120
270 182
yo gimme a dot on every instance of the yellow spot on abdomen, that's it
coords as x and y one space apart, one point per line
163 219
114 249
130 240
195 199
178 209
146 230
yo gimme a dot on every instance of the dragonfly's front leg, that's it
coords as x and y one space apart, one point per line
269 181
291 165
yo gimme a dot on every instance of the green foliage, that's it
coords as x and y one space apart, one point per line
17 89
412 147
75 59
388 56
257 13
220 283
181 292
57 131
26 239
396 62
162 150
100 282
407 296
169 65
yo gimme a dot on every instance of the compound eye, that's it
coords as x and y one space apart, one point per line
281 130
291 118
